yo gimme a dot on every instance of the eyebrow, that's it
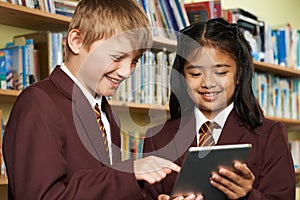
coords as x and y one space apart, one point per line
199 66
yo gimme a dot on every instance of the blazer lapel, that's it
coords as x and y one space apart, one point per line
88 129
83 115
115 130
233 130
185 136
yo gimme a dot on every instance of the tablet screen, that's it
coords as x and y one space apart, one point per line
195 173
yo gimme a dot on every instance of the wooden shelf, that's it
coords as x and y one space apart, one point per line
281 71
8 96
292 124
138 107
3 181
23 17
164 44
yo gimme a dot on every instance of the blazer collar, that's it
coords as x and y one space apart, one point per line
233 130
62 81
185 137
85 119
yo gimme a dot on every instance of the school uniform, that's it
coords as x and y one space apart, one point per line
53 147
269 159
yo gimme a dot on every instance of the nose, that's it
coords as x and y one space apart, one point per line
125 69
208 81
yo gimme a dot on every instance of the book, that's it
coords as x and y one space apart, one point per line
29 76
203 11
3 84
15 70
50 50
170 14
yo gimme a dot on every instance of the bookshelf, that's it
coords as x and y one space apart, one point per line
3 181
23 17
36 20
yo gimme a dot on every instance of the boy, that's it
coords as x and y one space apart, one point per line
55 145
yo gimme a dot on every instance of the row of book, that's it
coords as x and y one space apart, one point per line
278 97
149 82
29 58
169 16
132 145
62 7
280 46
295 150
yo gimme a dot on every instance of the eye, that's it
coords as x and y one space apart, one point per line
221 73
116 58
135 61
195 74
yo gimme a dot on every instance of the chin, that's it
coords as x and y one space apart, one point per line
109 93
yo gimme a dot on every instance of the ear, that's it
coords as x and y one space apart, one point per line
75 41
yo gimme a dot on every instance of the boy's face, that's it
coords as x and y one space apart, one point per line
107 64
211 77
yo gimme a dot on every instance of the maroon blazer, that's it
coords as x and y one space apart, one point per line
269 159
53 148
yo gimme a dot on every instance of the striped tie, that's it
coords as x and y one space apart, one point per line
205 131
102 128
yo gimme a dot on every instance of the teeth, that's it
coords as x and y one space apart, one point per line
209 94
113 80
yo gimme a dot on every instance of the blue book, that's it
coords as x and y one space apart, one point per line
167 10
15 70
281 48
275 46
3 84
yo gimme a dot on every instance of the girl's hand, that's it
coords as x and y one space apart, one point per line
235 185
189 197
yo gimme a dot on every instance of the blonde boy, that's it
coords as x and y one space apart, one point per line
53 145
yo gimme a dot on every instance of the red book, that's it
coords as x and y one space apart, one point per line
203 11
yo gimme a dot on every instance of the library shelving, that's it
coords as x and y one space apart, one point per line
36 20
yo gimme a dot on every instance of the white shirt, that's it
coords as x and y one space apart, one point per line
93 100
220 119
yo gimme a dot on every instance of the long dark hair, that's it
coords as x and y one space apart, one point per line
224 37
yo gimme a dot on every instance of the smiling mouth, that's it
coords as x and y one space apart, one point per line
115 81
210 94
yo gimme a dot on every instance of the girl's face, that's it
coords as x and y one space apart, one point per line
211 77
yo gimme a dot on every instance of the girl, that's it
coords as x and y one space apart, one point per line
211 81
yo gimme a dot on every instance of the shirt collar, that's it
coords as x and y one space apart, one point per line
92 100
220 119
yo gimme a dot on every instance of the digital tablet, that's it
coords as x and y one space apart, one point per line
195 173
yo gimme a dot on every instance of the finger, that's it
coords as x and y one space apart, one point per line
230 188
230 175
157 172
199 197
243 169
190 197
179 198
167 164
173 167
163 197
214 181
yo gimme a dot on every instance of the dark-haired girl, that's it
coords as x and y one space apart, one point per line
211 80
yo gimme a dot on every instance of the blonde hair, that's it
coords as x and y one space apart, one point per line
102 19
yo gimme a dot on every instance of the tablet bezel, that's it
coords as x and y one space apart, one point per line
211 157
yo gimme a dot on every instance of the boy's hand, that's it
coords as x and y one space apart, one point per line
153 169
235 185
